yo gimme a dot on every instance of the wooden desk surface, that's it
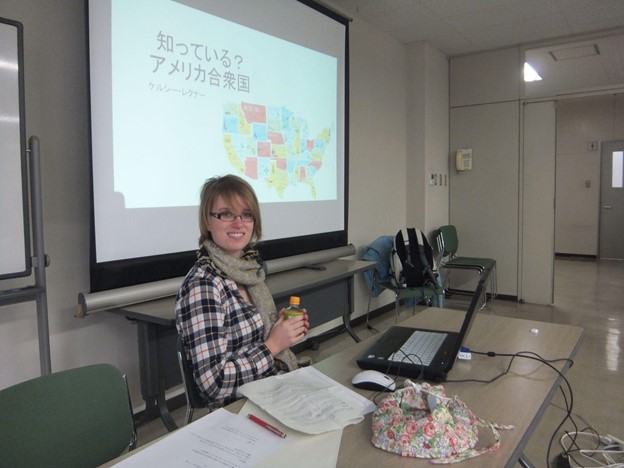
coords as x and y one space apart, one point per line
519 398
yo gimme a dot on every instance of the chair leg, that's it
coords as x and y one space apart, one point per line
396 308
189 413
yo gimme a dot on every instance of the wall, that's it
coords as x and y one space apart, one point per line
427 142
57 112
484 202
377 148
486 99
580 121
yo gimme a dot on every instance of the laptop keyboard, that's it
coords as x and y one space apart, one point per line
420 346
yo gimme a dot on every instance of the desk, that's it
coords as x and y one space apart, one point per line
326 293
519 398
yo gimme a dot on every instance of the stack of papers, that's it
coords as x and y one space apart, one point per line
219 439
308 401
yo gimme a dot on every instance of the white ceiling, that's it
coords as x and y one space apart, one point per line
462 26
457 27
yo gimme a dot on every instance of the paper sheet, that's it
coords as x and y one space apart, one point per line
308 451
308 401
219 439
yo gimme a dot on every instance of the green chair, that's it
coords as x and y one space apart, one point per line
448 245
193 398
76 417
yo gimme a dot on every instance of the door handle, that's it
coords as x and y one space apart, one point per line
607 207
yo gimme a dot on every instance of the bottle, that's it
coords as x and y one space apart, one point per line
294 309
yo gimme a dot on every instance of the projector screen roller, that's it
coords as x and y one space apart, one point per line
185 90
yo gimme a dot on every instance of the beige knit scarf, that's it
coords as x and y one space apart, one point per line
247 271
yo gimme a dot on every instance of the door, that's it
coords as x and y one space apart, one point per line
611 200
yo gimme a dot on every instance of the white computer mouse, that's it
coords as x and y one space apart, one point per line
373 380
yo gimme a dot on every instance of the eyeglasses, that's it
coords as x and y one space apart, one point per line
230 217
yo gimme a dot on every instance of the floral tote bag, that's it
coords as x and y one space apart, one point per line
421 421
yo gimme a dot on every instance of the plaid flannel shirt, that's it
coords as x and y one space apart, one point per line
222 335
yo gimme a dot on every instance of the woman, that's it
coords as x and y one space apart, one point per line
225 314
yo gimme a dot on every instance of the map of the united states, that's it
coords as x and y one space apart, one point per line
272 144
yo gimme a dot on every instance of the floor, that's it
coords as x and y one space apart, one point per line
589 294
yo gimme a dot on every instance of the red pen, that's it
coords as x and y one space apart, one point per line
266 425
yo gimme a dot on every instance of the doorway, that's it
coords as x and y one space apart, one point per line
610 245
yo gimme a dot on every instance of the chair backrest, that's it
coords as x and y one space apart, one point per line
450 241
76 417
193 398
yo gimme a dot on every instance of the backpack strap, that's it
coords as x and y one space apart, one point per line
417 238
399 257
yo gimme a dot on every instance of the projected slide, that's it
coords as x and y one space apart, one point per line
235 100
185 90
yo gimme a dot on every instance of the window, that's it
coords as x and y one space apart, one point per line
617 171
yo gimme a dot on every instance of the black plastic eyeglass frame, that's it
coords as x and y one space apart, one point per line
231 217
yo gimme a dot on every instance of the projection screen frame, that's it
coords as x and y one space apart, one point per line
293 246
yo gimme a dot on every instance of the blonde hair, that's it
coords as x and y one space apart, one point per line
228 186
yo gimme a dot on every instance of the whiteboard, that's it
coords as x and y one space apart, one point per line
14 227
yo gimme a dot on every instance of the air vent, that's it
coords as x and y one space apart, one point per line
574 52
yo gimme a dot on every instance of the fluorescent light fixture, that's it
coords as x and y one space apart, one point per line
530 74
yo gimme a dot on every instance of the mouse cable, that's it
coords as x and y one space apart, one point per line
406 358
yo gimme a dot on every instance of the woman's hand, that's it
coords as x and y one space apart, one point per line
287 332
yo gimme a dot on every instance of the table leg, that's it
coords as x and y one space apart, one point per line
152 389
524 462
348 310
157 406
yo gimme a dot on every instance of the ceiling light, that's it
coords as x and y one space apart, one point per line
530 74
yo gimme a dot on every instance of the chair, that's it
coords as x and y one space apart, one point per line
75 417
379 279
193 398
448 244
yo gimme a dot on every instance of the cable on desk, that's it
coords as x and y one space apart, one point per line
549 362
407 357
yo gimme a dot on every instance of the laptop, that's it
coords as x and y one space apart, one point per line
391 354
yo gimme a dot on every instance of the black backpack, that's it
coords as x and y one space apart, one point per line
411 261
